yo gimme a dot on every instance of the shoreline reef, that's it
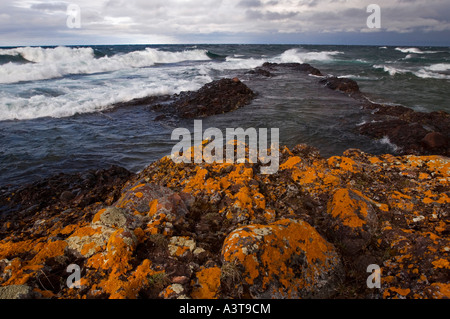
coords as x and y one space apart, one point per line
218 230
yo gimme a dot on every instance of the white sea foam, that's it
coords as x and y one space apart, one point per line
361 123
299 56
415 50
439 67
434 71
97 94
390 69
425 74
49 63
236 62
358 77
385 140
410 50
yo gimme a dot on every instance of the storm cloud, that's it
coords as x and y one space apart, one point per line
39 22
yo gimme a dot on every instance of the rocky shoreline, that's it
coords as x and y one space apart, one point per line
410 131
227 231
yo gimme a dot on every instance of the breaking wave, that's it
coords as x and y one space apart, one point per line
298 56
49 63
415 50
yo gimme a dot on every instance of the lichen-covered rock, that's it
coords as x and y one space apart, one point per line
173 291
111 217
160 207
180 246
207 283
88 240
352 220
213 230
285 259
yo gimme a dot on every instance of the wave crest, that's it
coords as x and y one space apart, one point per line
415 51
57 62
298 56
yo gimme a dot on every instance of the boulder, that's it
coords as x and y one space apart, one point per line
435 140
217 97
351 220
341 84
301 67
285 259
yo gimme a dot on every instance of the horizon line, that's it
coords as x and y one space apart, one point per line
184 44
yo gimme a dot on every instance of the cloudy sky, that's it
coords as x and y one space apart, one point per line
403 22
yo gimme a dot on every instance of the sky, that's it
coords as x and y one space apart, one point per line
90 22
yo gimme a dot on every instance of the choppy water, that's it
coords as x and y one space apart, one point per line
55 102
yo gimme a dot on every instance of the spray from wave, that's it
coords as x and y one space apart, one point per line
389 69
82 98
415 51
435 71
298 56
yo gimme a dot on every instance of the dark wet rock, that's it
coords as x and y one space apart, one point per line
300 67
341 84
66 196
435 140
351 220
70 190
413 132
388 110
217 97
147 100
260 71
406 136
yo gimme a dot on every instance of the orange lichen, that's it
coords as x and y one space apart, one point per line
291 162
350 211
441 263
265 252
13 248
153 207
87 247
138 194
98 215
400 291
208 283
50 250
140 234
441 290
348 164
86 231
137 186
398 203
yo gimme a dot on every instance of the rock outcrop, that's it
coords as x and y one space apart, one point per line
222 230
413 132
227 231
345 85
268 67
216 97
